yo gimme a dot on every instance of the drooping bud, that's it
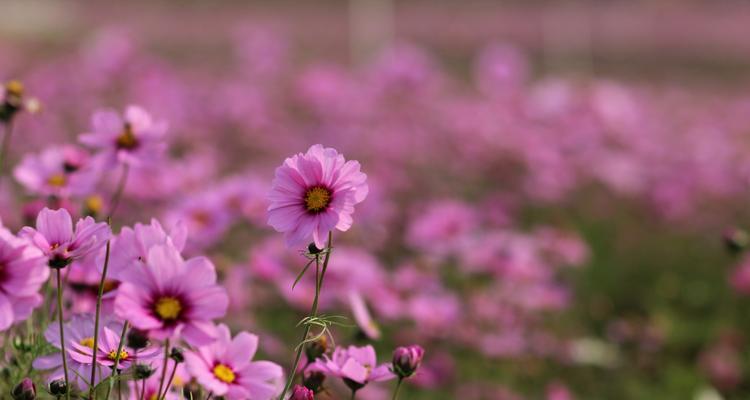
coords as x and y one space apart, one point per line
736 239
137 339
142 371
406 360
301 393
176 355
313 380
58 387
316 349
24 390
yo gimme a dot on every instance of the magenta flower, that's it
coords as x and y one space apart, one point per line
55 237
357 366
171 296
57 171
132 139
106 352
23 271
225 368
314 193
130 247
300 392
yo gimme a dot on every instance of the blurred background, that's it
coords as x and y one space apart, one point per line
558 189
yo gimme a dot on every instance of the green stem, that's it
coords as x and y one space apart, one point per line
5 145
313 313
143 388
163 369
354 393
92 392
62 331
169 382
117 359
115 200
398 387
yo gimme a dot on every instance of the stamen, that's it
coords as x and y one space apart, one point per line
113 355
224 373
317 198
168 308
127 139
88 342
57 180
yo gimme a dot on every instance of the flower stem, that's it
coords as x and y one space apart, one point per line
117 359
92 392
354 393
163 369
313 313
115 200
8 131
143 388
62 332
169 382
398 387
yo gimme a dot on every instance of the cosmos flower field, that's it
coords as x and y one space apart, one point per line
263 220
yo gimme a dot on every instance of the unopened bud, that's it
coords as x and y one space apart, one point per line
736 239
58 388
406 360
24 390
142 371
312 249
313 380
176 355
301 393
137 339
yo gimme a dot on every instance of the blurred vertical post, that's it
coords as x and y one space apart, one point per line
567 39
371 28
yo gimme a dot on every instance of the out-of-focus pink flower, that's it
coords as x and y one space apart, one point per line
739 278
362 316
558 391
441 226
313 193
55 237
169 296
106 351
357 366
225 368
301 393
132 139
57 171
23 271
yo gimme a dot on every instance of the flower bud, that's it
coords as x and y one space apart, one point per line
24 390
315 349
313 380
406 360
312 249
58 387
176 355
301 393
137 339
142 371
736 239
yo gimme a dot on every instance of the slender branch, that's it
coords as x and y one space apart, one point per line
143 388
169 382
115 200
398 387
62 332
163 369
92 392
313 312
5 145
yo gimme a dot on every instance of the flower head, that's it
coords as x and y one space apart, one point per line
57 171
357 366
106 351
25 390
300 392
169 295
133 139
407 359
313 193
55 237
23 271
226 369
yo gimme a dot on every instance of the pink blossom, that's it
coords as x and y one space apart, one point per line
357 366
23 271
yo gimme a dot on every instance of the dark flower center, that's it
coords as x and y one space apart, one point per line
127 139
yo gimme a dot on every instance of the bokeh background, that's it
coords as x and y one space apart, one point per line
551 182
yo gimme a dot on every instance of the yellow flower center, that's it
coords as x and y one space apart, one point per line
94 203
113 355
127 139
224 373
317 198
14 88
88 342
57 180
168 308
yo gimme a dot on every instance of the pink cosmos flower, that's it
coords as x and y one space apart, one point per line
171 296
313 193
57 171
55 237
106 352
23 271
79 330
225 368
357 366
130 247
132 139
